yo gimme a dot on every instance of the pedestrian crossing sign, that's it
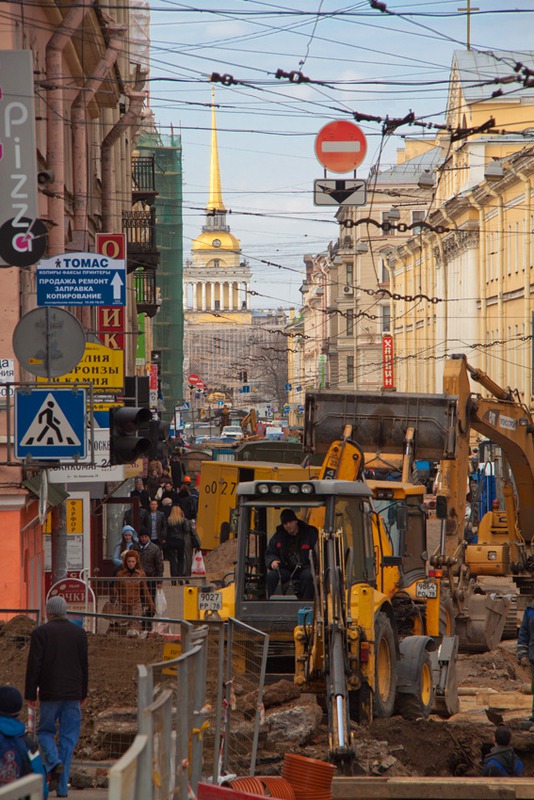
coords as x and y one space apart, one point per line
50 424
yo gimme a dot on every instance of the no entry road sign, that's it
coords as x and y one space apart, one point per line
340 146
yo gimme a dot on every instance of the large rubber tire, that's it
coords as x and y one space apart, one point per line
447 622
385 668
415 706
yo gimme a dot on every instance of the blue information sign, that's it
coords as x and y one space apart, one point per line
81 279
50 423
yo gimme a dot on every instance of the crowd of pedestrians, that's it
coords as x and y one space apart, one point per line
161 526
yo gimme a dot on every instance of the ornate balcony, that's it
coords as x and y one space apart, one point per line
145 291
140 230
143 180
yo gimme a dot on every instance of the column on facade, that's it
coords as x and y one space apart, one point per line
230 295
194 296
203 295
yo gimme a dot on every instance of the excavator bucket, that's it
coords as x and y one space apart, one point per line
481 624
443 661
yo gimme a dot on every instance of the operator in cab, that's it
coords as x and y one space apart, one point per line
288 556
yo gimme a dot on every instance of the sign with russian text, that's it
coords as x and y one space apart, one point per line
388 373
81 279
7 375
101 366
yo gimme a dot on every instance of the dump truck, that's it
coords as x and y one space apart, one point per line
217 493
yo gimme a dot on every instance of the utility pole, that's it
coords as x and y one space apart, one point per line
468 11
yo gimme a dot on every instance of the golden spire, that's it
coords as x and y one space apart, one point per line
215 201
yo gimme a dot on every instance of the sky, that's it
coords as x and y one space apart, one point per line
358 60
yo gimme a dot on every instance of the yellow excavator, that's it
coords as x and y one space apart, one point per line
397 609
372 641
249 423
503 544
394 428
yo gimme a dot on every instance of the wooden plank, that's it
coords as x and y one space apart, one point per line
418 788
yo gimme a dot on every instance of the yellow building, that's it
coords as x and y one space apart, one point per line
476 266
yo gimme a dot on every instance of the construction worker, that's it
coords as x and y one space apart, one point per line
224 419
525 646
502 760
287 556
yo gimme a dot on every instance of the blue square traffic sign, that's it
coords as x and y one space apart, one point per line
50 423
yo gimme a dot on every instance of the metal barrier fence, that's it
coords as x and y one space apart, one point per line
245 675
201 717
137 597
188 705
28 788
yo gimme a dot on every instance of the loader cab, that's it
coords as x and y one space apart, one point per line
328 505
401 508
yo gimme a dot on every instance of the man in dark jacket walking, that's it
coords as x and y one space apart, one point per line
525 646
502 761
288 555
57 671
152 563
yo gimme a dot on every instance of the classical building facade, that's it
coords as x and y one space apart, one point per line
441 261
474 265
226 342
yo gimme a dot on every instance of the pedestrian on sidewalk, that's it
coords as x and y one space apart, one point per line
57 676
19 753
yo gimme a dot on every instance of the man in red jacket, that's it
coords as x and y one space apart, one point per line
57 672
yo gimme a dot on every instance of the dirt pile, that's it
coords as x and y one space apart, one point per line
393 746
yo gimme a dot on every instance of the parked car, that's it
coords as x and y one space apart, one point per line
232 432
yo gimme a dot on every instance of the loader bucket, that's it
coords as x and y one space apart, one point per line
481 624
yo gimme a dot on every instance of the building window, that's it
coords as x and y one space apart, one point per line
350 322
350 369
417 216
385 272
349 272
386 231
386 318
216 263
217 305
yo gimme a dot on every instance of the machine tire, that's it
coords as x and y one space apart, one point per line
385 668
419 705
447 622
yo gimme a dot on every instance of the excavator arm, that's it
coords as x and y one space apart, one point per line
506 422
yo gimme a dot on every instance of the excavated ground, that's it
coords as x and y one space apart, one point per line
491 681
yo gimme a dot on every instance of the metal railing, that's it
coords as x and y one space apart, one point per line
28 788
197 712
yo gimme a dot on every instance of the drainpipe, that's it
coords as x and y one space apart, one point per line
55 151
527 261
137 99
79 127
482 287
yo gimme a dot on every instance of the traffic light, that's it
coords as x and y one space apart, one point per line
125 445
159 434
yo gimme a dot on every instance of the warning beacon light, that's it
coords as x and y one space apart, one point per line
125 444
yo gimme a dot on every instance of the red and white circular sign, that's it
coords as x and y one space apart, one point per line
340 146
192 379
